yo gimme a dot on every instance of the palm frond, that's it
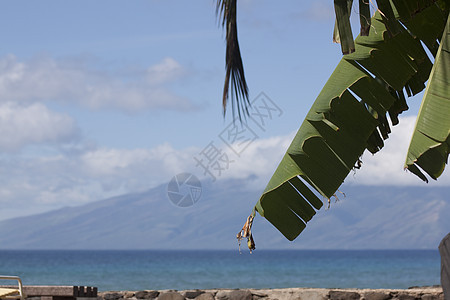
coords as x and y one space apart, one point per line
235 84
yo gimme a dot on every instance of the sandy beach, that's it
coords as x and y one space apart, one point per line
425 293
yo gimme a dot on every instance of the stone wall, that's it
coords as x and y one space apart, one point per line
425 293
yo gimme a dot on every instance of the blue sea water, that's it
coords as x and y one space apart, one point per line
143 270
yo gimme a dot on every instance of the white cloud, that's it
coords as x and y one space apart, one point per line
21 125
166 71
386 166
262 157
259 159
97 173
32 185
135 168
47 79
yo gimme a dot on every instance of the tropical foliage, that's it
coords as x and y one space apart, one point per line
227 11
352 112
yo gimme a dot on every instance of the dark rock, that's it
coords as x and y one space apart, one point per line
234 295
343 295
430 297
112 296
152 294
222 295
171 296
424 287
403 296
193 294
376 296
240 295
258 295
205 296
147 294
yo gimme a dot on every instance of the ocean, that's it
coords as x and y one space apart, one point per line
146 270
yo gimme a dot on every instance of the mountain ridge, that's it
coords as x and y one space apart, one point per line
368 217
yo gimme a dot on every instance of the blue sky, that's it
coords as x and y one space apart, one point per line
100 98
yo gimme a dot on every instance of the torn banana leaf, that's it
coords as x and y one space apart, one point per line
364 17
342 28
350 114
430 143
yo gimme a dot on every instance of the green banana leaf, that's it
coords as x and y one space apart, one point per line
351 112
430 143
342 29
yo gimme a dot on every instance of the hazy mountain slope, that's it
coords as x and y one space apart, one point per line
368 217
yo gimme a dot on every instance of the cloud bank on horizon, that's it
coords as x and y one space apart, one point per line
94 172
